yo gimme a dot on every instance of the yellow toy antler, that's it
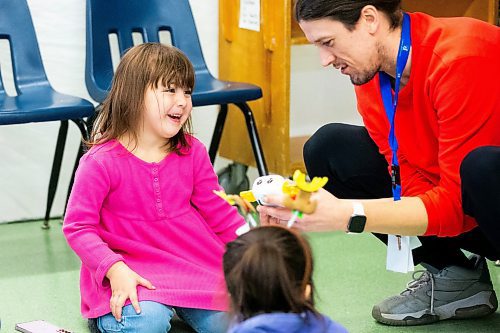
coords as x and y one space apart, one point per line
315 184
301 198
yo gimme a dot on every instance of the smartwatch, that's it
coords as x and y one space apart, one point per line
357 220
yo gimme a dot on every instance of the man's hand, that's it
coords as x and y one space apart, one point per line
124 282
331 213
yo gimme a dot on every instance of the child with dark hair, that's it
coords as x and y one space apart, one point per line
268 273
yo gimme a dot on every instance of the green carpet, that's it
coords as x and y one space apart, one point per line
39 280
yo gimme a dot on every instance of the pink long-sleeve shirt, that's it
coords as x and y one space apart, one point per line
162 219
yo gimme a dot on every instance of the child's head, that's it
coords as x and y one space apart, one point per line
269 269
152 80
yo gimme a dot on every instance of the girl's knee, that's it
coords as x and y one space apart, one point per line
205 321
154 317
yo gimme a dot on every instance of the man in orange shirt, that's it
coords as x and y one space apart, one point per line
427 90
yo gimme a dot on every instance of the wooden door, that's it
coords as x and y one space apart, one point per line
261 58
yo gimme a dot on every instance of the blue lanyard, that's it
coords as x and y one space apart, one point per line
391 103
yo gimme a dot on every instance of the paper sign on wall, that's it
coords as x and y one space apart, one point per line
250 14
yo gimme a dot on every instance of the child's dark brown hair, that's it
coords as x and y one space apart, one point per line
268 270
143 66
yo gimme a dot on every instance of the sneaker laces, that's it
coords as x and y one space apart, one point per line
423 280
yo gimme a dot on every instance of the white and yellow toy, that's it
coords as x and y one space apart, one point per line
296 193
262 186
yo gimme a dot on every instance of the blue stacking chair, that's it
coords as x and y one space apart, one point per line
35 100
148 18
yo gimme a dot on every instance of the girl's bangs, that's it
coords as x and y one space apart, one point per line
175 71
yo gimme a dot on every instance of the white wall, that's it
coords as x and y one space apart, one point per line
26 151
313 105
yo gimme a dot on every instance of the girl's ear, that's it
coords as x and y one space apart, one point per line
307 292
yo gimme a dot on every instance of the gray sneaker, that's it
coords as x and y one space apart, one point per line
453 292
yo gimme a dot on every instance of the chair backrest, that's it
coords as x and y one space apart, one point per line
16 26
146 17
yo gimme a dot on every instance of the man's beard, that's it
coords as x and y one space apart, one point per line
365 77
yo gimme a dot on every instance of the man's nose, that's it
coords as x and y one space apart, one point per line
326 57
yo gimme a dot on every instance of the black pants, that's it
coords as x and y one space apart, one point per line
356 170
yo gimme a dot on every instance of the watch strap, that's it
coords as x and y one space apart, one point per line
357 220
358 208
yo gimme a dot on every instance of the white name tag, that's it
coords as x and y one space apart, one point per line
399 253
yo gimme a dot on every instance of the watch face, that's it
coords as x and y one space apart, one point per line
357 223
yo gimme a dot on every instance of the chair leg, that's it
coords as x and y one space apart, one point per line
82 126
217 135
56 169
254 138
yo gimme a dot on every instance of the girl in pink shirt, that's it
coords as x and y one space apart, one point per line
142 215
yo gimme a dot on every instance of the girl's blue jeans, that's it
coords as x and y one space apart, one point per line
155 318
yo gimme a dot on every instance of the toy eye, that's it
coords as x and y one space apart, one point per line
259 182
270 180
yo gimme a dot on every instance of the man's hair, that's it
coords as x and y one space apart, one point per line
346 11
267 270
142 67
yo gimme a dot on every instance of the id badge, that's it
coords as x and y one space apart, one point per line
399 253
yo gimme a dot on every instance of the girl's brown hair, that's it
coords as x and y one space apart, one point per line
142 67
267 270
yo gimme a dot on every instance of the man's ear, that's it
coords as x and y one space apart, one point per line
370 18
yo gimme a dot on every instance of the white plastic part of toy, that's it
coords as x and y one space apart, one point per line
267 185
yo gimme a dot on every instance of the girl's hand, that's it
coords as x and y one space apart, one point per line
124 282
331 213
